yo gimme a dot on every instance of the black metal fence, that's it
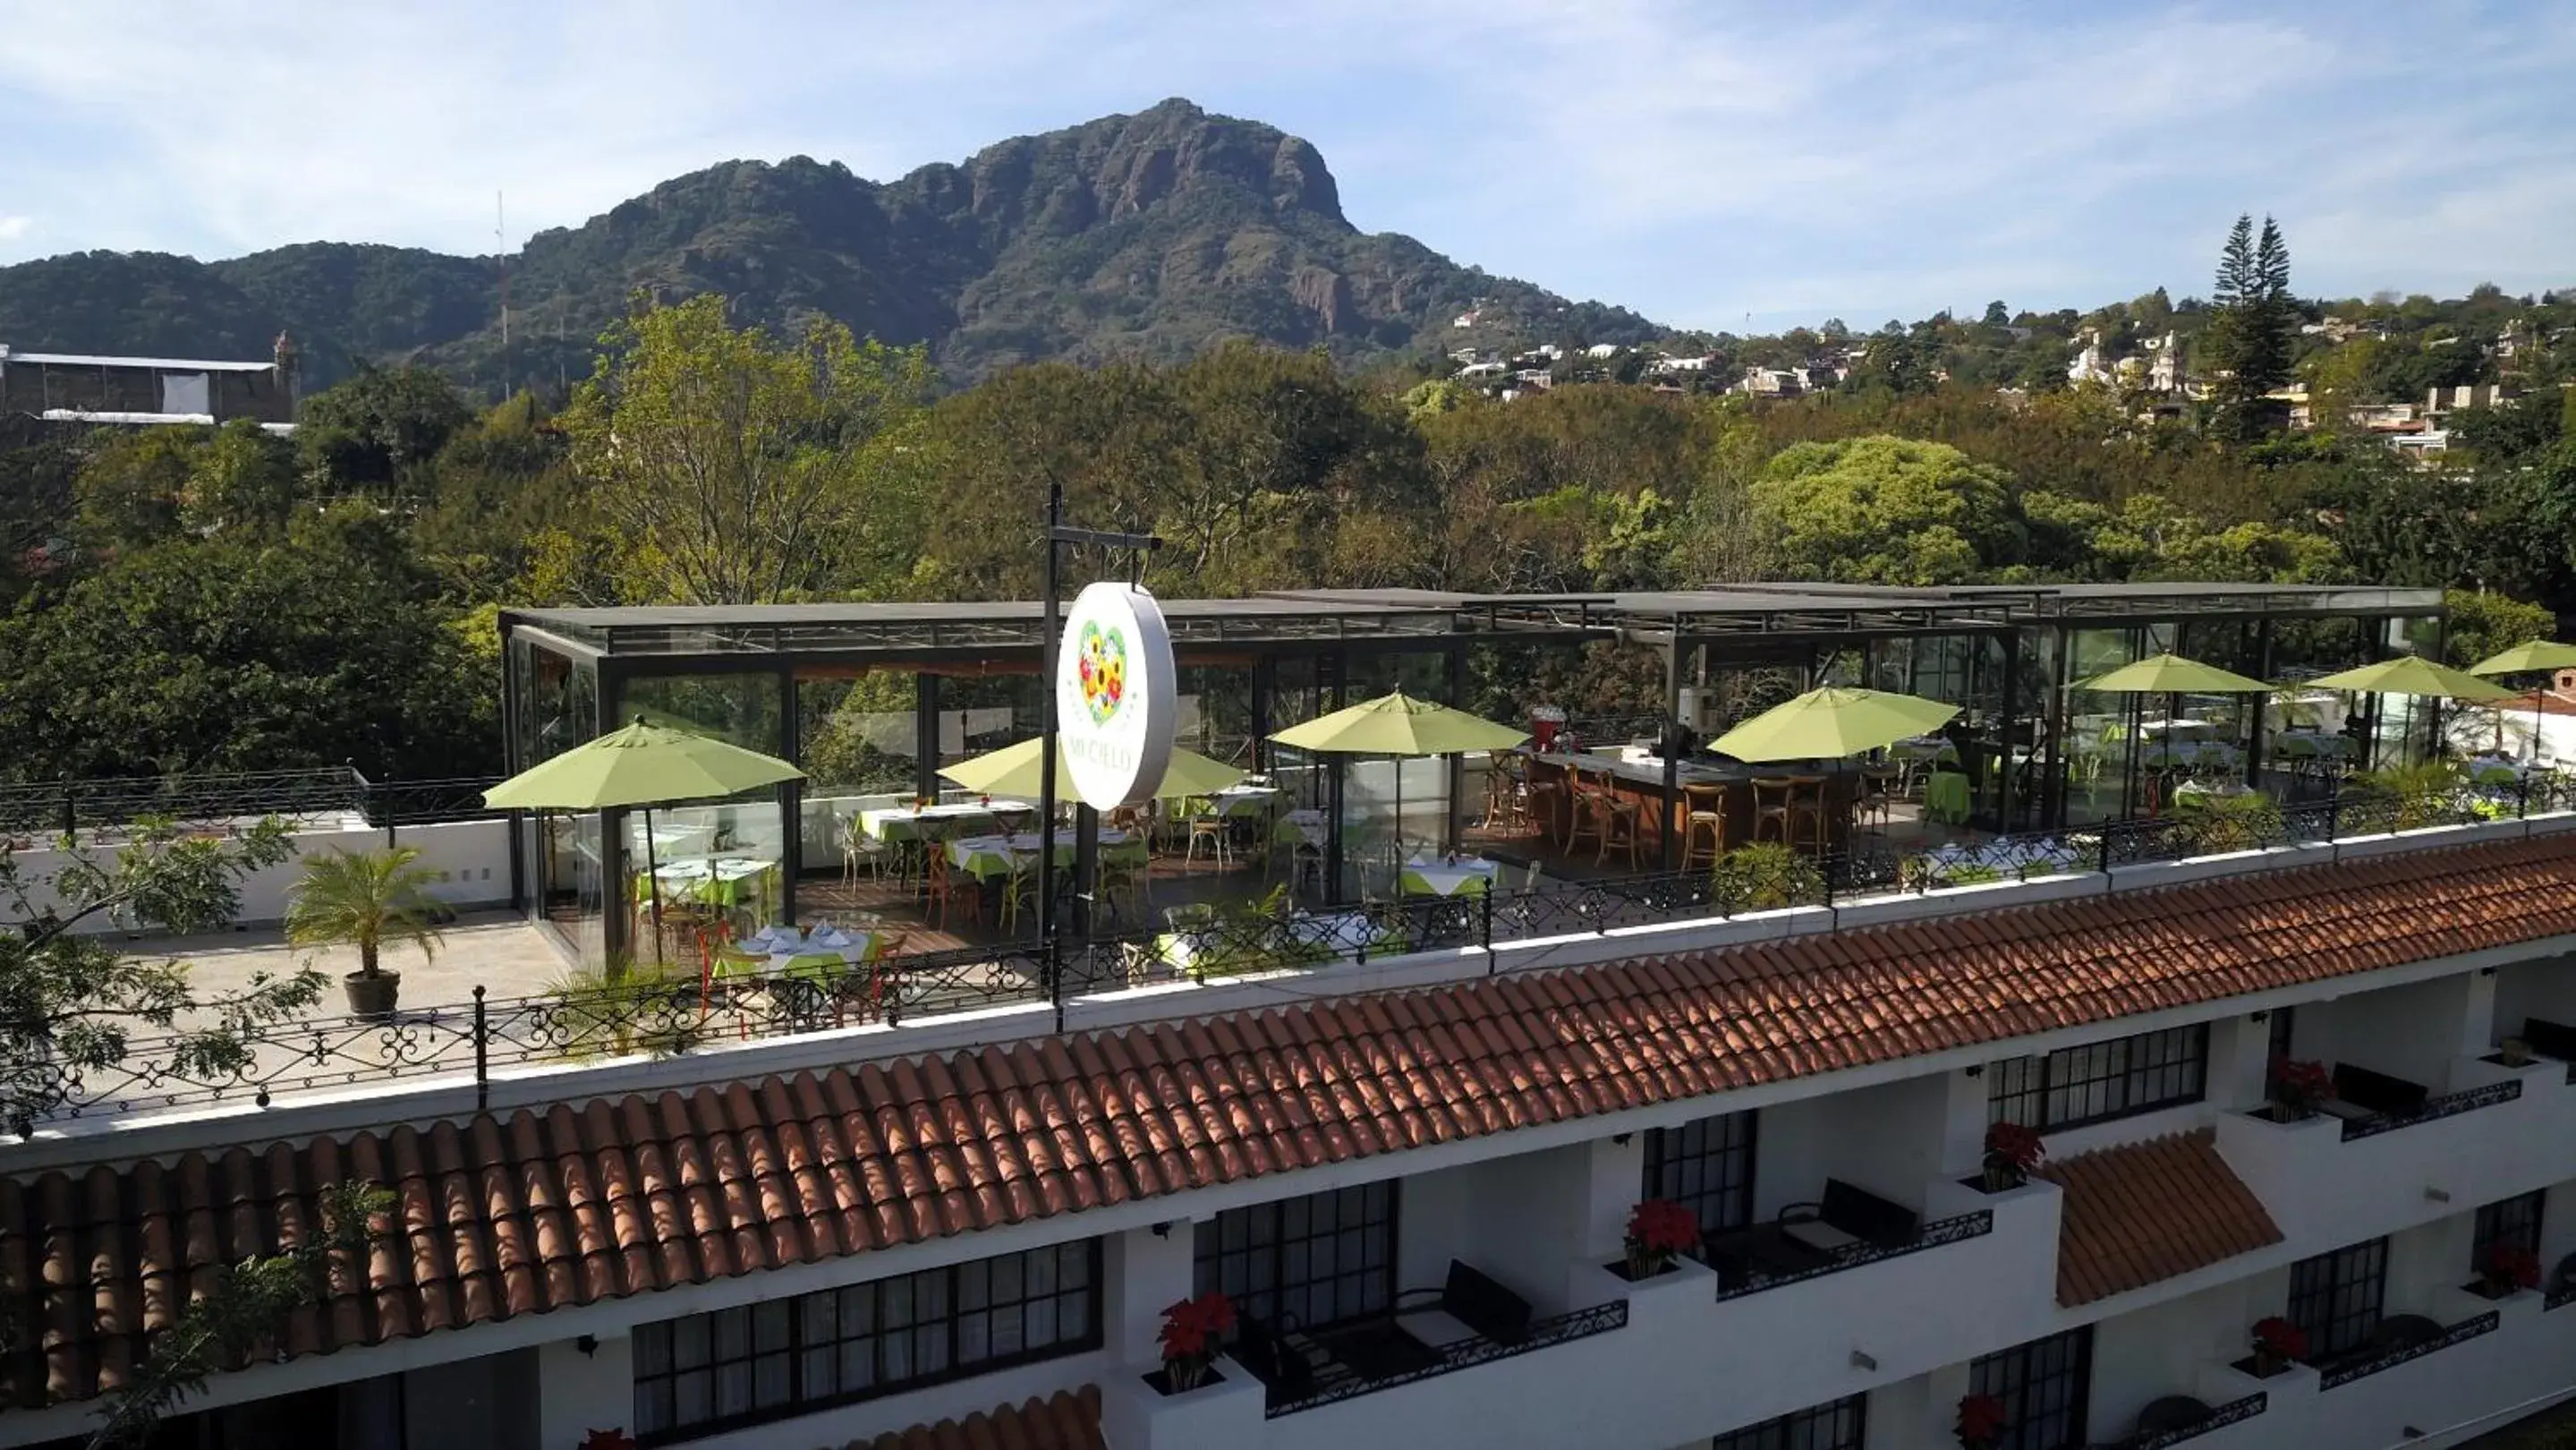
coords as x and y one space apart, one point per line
1341 1382
650 1012
73 807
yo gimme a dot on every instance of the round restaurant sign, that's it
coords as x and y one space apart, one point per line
1114 700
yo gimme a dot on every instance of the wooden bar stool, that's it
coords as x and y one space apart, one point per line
1703 819
1807 811
1775 800
1584 811
1618 824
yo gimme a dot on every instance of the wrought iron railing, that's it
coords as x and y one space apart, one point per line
2345 1373
2448 1105
2234 1412
1341 1382
649 1013
1933 1235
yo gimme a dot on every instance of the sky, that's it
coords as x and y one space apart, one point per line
1711 164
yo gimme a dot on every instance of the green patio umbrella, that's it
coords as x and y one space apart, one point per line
2169 674
2529 657
640 765
1398 725
1830 723
1014 770
2411 675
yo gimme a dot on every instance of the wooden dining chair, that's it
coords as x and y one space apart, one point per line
952 890
1807 811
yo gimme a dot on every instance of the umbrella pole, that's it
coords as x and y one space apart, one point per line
653 885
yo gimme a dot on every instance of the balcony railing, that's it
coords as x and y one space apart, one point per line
1931 1236
2558 1298
2460 1333
1340 1382
73 807
668 1016
2448 1105
2234 1412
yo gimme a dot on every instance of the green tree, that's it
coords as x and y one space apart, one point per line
71 1002
132 492
737 468
2484 624
247 652
1885 510
2253 328
375 431
244 478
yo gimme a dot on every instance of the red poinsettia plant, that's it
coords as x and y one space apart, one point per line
1659 1231
1981 1422
2298 1088
2011 1152
2508 1267
2276 1342
1193 1330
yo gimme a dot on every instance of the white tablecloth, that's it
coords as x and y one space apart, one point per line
874 822
783 944
1243 800
1024 843
1449 877
1309 824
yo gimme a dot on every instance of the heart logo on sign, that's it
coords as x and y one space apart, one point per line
1103 668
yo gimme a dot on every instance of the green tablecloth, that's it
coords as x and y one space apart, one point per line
1945 797
1467 878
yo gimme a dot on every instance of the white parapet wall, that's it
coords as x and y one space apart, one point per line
470 859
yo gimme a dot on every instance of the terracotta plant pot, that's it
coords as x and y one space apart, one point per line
372 996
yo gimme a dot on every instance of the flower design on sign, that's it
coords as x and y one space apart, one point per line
1103 668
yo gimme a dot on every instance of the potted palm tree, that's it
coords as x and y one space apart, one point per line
365 899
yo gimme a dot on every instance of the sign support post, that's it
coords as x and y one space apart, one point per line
1050 950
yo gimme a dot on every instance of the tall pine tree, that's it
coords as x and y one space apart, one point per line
2253 329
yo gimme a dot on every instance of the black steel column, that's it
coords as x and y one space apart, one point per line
1454 663
1051 624
1265 669
616 896
1330 671
791 798
1671 750
2262 671
2004 751
925 735
2061 701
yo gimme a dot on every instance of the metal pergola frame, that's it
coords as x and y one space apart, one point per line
1334 627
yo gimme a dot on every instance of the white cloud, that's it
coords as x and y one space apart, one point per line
1691 161
14 227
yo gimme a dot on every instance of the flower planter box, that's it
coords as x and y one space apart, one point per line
1161 1381
1225 1408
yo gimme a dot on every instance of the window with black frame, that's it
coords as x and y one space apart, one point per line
1303 1263
2335 1298
702 1373
2507 1223
1841 1425
2045 1387
2100 1081
1707 1166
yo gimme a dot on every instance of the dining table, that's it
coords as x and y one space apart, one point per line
718 881
989 858
1641 779
1240 801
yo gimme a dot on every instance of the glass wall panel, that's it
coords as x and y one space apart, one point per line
1392 809
557 700
859 741
722 857
980 714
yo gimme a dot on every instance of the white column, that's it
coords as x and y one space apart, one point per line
1146 1274
1615 1181
578 1393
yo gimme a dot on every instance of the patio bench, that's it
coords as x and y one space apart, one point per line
2550 1039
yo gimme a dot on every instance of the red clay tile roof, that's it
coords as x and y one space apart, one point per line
2148 1211
573 1206
1069 1420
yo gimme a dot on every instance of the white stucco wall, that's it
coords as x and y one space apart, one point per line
472 859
